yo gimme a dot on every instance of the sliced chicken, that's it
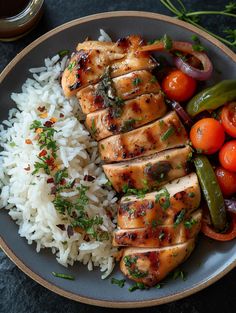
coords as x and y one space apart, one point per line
177 199
87 65
135 113
151 265
126 87
152 171
159 236
162 134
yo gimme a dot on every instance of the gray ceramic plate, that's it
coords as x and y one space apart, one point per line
210 260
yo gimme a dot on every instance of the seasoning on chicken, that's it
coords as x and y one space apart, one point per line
159 236
112 92
151 171
87 65
134 113
162 134
177 199
151 265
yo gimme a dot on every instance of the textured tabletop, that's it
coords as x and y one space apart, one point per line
20 294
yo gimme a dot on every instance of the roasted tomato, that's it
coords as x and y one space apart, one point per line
207 135
226 180
228 118
179 86
227 156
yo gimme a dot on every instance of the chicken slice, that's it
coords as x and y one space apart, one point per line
174 201
135 113
127 87
159 236
162 134
152 171
151 265
87 65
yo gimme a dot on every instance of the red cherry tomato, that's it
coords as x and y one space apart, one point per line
227 156
226 180
179 86
228 118
207 135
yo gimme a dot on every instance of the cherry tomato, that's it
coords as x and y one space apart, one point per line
179 86
226 180
228 118
207 135
227 156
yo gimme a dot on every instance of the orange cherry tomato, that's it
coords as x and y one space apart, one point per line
211 233
228 118
179 86
207 135
227 155
226 180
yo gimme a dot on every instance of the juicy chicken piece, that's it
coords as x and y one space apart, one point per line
152 171
151 265
135 113
162 134
127 87
159 236
177 199
88 63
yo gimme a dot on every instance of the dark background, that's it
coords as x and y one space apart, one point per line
18 293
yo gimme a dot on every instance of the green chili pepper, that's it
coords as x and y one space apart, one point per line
212 192
213 97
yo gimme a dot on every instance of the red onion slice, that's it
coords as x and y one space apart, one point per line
181 112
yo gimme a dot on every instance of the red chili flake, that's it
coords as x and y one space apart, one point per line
63 181
70 231
62 115
48 124
41 109
27 168
43 153
89 178
53 190
61 226
50 180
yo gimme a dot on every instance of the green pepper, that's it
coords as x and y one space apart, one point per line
213 97
212 192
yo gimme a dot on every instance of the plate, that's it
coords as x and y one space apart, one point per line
210 260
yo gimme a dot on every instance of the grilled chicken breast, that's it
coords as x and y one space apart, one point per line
162 134
175 200
159 236
151 265
126 87
135 113
87 65
152 171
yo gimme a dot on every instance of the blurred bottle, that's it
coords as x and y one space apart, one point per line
18 17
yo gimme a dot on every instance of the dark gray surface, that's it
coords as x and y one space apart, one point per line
19 293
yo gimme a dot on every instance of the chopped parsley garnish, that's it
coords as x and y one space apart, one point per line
167 41
93 127
118 282
132 191
60 175
163 198
191 194
128 260
63 53
136 273
153 79
71 66
128 125
136 286
64 276
197 46
170 131
189 223
178 273
179 217
136 81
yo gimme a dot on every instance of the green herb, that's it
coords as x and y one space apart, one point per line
118 282
64 276
167 41
170 131
62 205
178 273
161 123
153 79
128 125
12 144
41 165
180 217
137 81
158 286
180 55
191 194
136 273
163 198
63 53
197 46
82 198
60 175
93 127
36 124
71 66
128 260
132 191
136 286
181 12
189 223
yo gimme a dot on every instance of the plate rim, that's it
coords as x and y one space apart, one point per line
8 251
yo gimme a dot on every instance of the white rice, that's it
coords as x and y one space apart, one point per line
28 197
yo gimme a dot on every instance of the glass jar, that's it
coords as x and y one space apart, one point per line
23 21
